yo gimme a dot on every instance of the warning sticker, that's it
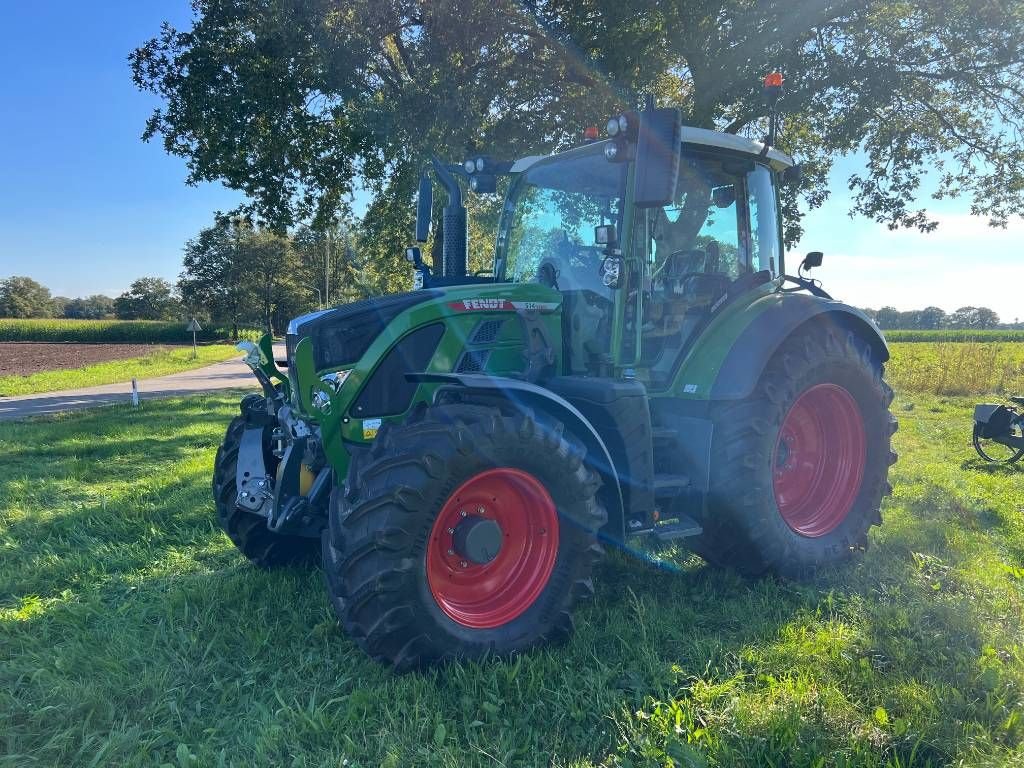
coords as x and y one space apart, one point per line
370 427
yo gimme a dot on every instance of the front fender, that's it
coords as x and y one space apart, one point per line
526 395
752 350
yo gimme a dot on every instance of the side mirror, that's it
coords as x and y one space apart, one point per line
424 209
792 176
812 260
658 146
413 256
605 234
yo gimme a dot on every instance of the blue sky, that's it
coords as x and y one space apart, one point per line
86 206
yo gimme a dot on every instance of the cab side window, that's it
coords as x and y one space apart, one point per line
699 232
764 222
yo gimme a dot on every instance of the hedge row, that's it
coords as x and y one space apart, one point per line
113 331
952 334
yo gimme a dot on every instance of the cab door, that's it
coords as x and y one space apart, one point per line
721 229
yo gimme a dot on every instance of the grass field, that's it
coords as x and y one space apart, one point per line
132 633
112 331
158 363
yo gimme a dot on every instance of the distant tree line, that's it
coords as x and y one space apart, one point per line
148 298
234 274
935 318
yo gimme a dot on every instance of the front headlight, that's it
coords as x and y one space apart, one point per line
322 401
335 380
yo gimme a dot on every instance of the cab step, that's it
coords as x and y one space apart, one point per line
670 485
663 434
677 529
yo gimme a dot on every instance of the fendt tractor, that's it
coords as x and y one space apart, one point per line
637 363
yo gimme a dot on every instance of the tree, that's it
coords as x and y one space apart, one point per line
95 307
286 100
932 318
237 272
214 278
986 318
328 267
148 298
24 297
888 318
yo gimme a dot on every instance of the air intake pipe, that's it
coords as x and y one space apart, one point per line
454 225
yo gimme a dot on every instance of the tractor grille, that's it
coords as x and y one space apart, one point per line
486 332
473 361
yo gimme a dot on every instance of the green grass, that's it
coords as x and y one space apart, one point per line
132 633
113 331
951 334
158 363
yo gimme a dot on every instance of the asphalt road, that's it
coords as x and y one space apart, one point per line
232 374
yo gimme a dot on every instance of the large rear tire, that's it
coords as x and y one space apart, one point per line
247 531
799 469
464 532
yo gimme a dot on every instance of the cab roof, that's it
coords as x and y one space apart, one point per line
701 137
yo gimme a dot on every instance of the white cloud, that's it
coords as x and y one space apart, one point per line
964 262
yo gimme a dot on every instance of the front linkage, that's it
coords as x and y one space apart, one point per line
281 474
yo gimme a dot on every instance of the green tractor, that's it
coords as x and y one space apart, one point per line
636 364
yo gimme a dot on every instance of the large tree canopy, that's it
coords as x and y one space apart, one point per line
290 100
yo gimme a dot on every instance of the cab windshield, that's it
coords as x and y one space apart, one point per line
550 215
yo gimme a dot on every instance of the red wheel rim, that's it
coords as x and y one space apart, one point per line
818 461
484 596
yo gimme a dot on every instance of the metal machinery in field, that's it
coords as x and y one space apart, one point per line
637 363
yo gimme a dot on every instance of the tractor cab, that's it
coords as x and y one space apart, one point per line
676 264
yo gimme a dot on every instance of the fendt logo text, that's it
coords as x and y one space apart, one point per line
478 304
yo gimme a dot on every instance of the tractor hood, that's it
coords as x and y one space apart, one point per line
342 335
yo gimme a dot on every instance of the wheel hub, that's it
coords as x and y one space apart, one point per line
477 539
492 548
818 462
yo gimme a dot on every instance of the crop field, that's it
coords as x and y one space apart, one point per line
981 337
112 331
132 633
957 368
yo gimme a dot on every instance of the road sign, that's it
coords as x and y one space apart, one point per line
194 327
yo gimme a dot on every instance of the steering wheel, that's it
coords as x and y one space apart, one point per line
686 262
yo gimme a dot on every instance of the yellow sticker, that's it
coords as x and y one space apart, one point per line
370 427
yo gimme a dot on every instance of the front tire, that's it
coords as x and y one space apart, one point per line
465 532
799 469
249 532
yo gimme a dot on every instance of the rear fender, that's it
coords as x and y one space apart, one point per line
524 395
752 350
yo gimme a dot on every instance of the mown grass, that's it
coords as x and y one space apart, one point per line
132 633
113 331
158 363
950 334
957 368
